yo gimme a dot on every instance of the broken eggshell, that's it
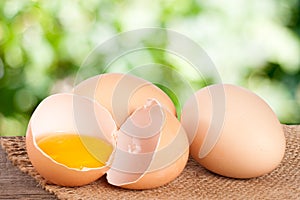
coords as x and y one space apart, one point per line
150 148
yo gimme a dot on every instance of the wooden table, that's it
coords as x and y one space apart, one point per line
15 184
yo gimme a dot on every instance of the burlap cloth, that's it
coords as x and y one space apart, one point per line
194 183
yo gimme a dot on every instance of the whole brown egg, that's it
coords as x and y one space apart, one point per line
233 132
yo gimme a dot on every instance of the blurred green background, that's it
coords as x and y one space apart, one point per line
255 44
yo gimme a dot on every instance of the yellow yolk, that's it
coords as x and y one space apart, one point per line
76 151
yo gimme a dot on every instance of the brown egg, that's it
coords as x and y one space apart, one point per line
121 94
233 132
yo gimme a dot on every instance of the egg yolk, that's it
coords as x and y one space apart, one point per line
76 151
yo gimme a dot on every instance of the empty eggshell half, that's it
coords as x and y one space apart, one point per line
152 149
121 94
67 113
233 132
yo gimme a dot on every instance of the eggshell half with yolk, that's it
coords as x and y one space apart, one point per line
67 113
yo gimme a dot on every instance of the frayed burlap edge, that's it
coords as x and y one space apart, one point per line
194 183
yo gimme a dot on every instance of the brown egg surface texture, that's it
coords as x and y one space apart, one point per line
121 94
233 132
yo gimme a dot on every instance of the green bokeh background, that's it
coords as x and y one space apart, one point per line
255 44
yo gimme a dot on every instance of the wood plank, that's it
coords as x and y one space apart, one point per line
15 184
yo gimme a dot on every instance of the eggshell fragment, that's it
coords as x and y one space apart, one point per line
121 94
233 132
71 114
152 149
